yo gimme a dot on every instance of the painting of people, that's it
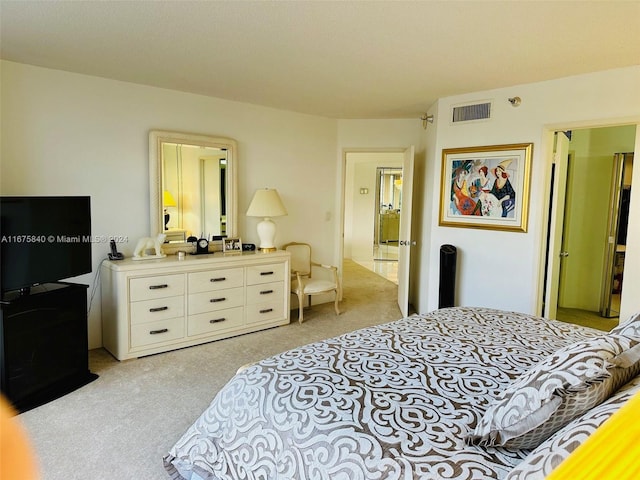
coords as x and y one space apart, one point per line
486 187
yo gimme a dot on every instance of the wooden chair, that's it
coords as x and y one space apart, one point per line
302 283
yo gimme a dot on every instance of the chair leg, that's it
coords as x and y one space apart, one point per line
336 304
300 307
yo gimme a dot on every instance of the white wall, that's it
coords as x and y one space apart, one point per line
64 133
503 269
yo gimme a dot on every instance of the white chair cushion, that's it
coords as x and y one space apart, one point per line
314 286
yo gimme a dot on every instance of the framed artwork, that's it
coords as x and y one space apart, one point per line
232 245
486 187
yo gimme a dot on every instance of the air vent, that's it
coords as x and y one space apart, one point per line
468 113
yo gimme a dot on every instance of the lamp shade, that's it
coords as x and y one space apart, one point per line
266 203
167 199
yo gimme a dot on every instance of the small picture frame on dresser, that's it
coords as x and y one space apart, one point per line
232 245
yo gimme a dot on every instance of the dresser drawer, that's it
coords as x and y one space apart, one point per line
265 292
265 273
264 311
146 288
218 321
156 309
215 280
216 300
157 332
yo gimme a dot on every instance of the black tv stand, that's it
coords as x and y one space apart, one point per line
44 350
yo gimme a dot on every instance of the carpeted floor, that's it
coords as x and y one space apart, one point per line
120 426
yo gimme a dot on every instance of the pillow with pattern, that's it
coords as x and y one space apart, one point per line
553 451
629 328
551 394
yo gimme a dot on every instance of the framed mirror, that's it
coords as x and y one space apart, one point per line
193 187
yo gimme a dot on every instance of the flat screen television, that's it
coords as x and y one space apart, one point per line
43 240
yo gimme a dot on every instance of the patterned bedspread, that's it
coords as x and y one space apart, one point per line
386 402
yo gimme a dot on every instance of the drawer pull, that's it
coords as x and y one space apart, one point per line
158 309
214 300
217 320
218 279
156 332
266 273
266 310
266 292
156 287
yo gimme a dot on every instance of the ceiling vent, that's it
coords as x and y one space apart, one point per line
471 112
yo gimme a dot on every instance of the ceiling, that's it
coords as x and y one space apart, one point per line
339 59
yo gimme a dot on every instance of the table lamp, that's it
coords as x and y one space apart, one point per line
266 203
167 201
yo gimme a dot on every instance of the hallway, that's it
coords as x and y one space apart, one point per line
383 261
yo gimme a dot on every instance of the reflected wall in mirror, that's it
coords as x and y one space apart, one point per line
192 186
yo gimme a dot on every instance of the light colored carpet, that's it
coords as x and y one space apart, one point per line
120 426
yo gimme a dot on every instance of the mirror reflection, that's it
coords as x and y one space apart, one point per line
387 226
194 191
192 186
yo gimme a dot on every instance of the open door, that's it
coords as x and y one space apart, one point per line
405 243
556 224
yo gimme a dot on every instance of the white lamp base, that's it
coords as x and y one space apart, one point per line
267 234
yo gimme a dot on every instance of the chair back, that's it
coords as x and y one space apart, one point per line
300 257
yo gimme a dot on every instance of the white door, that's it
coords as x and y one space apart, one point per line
556 223
405 243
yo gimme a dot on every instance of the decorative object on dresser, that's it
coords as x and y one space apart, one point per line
266 203
232 245
202 246
155 307
141 252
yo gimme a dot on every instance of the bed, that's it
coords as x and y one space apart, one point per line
444 395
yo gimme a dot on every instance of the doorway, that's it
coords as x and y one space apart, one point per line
581 213
361 196
372 211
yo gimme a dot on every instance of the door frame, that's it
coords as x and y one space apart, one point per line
556 222
547 230
342 193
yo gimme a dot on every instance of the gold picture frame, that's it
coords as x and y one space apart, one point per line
486 187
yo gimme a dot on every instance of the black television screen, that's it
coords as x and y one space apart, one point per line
43 239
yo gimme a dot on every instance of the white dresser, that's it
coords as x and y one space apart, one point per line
153 306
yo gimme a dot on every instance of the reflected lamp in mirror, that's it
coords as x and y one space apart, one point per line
167 201
266 203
